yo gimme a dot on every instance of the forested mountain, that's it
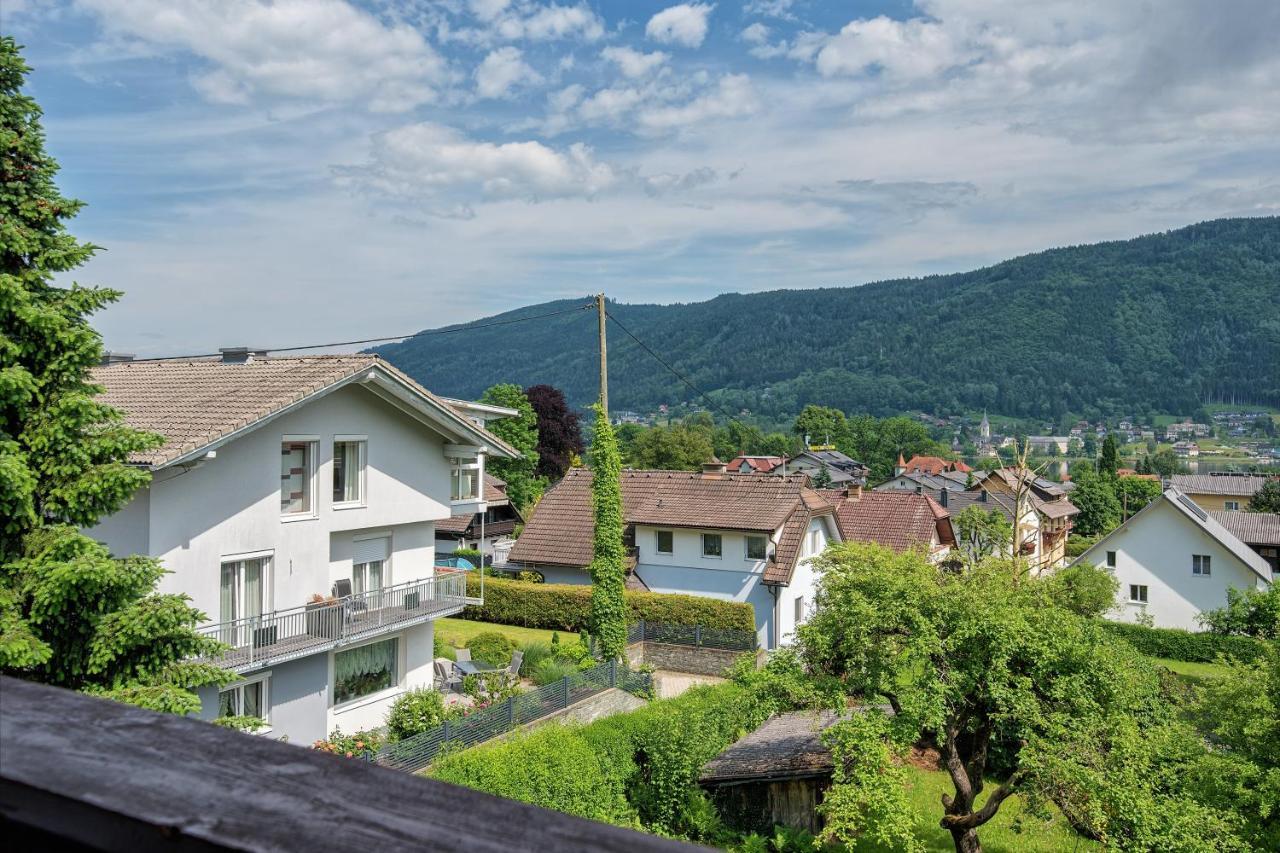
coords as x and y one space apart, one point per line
1163 322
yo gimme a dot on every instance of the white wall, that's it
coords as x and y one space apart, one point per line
369 712
1155 549
804 584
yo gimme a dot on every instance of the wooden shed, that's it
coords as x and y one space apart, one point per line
778 774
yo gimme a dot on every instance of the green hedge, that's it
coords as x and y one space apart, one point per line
1193 646
567 607
636 769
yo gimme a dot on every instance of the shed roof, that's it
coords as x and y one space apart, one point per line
788 746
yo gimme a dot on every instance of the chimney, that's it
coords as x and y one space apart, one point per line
942 497
240 355
854 492
713 467
983 497
109 357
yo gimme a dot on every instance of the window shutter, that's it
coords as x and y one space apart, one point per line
370 550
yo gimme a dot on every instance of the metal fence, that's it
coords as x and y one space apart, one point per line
415 753
731 639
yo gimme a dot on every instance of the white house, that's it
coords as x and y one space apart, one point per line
294 500
1174 561
737 537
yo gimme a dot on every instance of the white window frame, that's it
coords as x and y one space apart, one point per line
460 465
657 542
1231 505
263 678
746 546
798 612
314 445
397 685
386 564
362 465
1133 588
703 541
268 578
1201 565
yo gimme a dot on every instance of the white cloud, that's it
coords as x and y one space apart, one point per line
757 33
429 160
685 24
501 70
904 49
770 8
324 50
733 97
506 21
633 63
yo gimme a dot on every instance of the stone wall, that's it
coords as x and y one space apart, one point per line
698 660
605 704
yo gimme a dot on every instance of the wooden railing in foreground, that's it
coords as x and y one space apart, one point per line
82 773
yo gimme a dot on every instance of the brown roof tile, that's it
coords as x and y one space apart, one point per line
194 403
900 520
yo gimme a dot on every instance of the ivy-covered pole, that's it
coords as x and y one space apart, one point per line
608 603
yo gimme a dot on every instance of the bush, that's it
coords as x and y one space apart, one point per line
534 654
471 555
487 688
491 647
441 649
552 670
567 607
363 744
1176 644
1250 613
415 712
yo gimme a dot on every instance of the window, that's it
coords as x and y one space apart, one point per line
757 547
666 542
242 594
365 670
1111 559
815 541
348 471
466 482
711 545
799 609
245 700
1231 504
1200 565
1138 593
369 565
296 458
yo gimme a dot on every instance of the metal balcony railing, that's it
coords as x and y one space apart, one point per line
299 631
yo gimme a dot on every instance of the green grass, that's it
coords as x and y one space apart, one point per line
1012 830
1192 672
458 632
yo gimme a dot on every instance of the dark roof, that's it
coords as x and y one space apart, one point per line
1244 485
788 746
900 519
1251 528
195 403
560 531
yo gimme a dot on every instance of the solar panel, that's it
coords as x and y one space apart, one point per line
1191 505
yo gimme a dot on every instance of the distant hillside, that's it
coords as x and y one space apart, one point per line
1163 322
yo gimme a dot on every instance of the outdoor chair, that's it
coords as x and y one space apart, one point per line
463 654
516 660
351 606
446 675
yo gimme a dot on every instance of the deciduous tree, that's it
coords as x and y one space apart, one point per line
608 561
524 487
559 433
1267 498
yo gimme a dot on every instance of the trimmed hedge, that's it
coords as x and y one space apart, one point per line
1192 646
567 607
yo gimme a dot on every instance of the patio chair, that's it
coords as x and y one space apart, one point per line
446 675
516 659
463 654
351 606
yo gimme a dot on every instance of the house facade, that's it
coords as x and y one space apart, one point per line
1259 530
1219 492
737 537
295 501
1173 561
490 531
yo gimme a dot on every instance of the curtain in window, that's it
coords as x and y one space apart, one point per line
227 601
251 700
364 670
346 471
227 703
253 587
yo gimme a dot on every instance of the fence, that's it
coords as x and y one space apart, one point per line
692 635
415 753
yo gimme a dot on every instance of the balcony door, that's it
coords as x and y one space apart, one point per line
242 595
370 570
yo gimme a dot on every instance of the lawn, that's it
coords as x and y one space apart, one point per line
1192 672
458 632
1010 831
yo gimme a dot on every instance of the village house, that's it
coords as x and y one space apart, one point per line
929 465
1259 530
738 537
1173 561
1049 444
840 468
896 519
295 501
1219 491
1045 542
490 531
1186 449
755 464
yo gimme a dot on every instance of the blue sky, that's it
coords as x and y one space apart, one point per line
281 173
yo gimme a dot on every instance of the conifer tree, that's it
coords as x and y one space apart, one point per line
608 563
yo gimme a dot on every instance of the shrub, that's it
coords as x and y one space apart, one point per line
415 712
491 647
441 649
243 723
567 607
534 654
1176 644
1251 613
486 688
471 555
362 744
552 670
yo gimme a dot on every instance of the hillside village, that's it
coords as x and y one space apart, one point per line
840 575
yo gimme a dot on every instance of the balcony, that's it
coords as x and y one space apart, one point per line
284 635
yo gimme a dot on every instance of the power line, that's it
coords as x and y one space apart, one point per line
421 334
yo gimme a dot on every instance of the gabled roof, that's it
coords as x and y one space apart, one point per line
561 529
1244 485
1251 528
900 520
760 464
932 465
1188 509
788 746
200 404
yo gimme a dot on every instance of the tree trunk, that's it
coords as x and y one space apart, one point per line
966 840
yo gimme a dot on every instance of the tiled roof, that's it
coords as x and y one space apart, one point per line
900 520
1251 528
933 465
194 403
759 464
561 528
958 502
1218 484
786 746
455 523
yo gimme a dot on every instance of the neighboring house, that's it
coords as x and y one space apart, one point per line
739 537
295 501
929 465
953 480
841 468
1186 449
1045 542
755 464
1219 491
1173 561
1259 530
490 531
897 519
1049 444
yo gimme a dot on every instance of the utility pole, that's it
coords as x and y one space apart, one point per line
604 358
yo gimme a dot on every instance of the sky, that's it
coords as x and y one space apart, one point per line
302 171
